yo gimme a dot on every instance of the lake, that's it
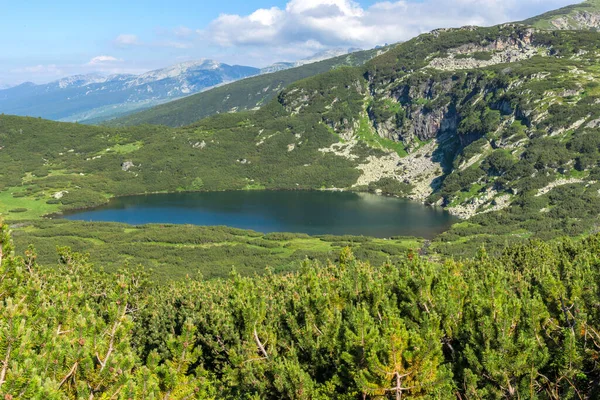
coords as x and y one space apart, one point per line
312 212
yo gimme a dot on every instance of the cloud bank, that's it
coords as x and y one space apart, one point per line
328 23
299 29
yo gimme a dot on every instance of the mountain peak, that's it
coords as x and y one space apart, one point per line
106 95
177 70
330 53
80 80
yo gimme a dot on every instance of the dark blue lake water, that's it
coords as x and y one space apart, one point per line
311 212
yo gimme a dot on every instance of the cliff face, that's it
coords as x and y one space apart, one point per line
427 110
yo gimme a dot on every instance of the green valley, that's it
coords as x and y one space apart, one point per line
506 140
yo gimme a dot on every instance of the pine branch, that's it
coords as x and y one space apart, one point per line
112 340
260 345
70 374
5 364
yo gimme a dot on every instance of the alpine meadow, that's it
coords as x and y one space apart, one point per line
494 130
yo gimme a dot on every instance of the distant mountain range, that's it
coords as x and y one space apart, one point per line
246 94
81 97
95 97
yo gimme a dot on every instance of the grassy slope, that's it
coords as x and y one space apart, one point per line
176 251
238 96
544 21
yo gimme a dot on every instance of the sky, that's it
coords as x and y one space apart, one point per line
41 41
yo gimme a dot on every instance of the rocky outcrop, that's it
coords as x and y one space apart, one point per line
127 165
557 183
428 112
579 20
502 50
427 125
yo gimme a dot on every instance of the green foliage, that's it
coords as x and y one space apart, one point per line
174 252
499 162
524 324
391 186
479 121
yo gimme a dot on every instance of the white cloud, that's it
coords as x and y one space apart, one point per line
100 60
127 39
345 22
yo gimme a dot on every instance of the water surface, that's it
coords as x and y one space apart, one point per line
312 212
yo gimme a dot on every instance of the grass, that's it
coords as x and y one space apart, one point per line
462 196
367 134
254 186
127 148
35 207
177 251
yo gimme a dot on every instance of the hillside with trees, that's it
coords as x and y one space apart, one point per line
498 125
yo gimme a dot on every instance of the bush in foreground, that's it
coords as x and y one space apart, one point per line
523 325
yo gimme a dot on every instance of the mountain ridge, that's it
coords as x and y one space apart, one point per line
320 56
247 94
81 97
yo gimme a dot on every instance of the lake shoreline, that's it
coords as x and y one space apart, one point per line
319 212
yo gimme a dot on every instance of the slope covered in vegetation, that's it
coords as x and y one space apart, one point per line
498 125
174 252
244 95
584 15
522 325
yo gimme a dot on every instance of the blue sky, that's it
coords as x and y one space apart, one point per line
45 40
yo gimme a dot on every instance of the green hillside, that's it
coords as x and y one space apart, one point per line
174 252
498 125
584 15
243 95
